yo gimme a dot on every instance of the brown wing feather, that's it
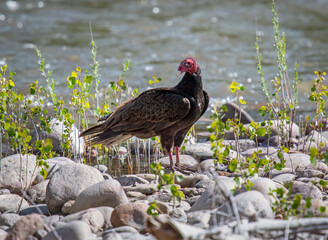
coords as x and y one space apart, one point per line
154 110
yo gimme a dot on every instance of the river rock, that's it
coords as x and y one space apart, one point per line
320 166
262 185
284 178
55 163
206 165
142 188
101 167
318 139
306 190
38 208
105 193
234 110
149 177
208 200
3 234
199 218
11 202
67 206
185 160
297 161
243 144
107 213
251 204
68 182
38 192
290 130
25 226
130 180
314 209
13 171
161 196
191 180
309 173
9 219
199 151
93 217
125 232
130 214
77 230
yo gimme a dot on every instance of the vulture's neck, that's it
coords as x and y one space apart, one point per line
191 84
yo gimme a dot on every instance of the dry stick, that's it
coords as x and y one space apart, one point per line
228 195
46 225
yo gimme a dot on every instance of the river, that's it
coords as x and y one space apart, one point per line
157 35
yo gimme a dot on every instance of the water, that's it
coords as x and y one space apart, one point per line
157 35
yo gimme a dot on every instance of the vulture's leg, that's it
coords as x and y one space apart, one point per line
171 158
177 149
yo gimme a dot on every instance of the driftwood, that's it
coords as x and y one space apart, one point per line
165 227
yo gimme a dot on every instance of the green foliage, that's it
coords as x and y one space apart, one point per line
217 128
289 205
153 210
165 179
285 94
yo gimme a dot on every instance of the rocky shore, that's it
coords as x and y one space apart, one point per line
77 201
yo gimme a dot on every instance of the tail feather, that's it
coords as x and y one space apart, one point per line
101 136
109 137
93 130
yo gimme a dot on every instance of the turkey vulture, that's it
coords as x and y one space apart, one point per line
165 112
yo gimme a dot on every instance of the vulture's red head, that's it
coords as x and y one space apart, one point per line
188 65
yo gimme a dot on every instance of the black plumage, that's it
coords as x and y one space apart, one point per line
165 112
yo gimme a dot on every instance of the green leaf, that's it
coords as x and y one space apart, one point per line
322 209
261 132
262 111
11 131
323 183
32 90
88 79
38 144
233 165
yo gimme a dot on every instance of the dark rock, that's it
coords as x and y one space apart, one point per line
232 110
130 180
39 209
